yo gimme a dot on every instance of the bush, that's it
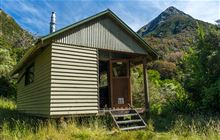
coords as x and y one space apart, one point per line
211 97
202 70
167 70
175 96
137 86
8 88
166 95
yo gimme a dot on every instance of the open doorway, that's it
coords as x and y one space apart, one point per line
104 94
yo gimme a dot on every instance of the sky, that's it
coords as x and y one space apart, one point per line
34 15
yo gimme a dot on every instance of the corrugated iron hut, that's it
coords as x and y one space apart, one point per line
60 75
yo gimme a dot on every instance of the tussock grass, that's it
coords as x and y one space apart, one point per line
16 126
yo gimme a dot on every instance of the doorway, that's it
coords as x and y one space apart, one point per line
104 85
120 83
114 83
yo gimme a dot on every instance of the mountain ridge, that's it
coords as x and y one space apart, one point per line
172 31
177 19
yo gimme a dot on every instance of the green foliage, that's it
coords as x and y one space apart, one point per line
211 96
7 86
7 104
165 95
14 41
197 69
202 70
12 35
154 77
6 62
137 86
168 70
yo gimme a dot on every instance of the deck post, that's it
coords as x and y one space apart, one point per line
146 89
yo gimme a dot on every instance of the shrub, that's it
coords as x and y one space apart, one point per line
211 97
202 70
137 87
166 95
167 70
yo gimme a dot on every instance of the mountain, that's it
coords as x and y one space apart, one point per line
171 21
171 33
14 40
11 34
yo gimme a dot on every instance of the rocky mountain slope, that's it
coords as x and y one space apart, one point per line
171 21
171 33
11 34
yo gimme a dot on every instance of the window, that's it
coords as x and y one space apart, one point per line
29 75
119 69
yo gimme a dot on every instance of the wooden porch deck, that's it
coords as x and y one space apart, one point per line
103 111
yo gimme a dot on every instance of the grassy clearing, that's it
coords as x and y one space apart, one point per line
14 125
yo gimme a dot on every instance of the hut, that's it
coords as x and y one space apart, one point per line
61 74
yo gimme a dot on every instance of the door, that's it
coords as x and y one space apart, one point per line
120 83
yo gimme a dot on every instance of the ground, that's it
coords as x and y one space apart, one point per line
14 125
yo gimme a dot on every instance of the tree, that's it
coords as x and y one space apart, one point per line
202 69
167 70
6 62
7 86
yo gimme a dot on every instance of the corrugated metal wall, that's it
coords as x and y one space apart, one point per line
74 80
102 33
35 97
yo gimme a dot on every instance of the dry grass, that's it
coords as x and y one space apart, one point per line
17 126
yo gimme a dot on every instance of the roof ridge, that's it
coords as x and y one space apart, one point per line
69 26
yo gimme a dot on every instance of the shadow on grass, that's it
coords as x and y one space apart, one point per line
14 119
168 121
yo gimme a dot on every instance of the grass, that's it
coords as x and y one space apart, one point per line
14 125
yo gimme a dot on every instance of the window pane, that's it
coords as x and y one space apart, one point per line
119 69
29 75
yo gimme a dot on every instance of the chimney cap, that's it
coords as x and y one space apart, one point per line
53 22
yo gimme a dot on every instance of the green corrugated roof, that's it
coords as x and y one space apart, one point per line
107 12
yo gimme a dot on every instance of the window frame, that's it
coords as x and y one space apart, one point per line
126 69
28 73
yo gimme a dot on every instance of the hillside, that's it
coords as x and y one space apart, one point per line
171 33
14 41
11 34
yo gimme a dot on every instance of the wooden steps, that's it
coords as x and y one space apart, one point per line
133 128
124 115
127 119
